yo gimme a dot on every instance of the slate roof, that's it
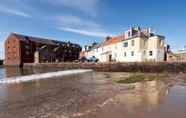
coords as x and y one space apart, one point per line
40 40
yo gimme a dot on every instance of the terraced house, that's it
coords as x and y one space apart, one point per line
134 45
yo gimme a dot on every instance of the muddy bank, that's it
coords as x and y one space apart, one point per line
120 67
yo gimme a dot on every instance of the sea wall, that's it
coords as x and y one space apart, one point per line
174 67
19 79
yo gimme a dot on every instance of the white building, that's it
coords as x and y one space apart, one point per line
135 45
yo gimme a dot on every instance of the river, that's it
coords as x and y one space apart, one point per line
91 95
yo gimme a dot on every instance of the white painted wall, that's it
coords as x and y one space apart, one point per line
140 50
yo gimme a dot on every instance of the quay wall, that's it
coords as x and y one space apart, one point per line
173 67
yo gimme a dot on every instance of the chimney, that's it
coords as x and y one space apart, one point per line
108 38
149 30
86 47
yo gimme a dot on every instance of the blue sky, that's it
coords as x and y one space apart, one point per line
86 21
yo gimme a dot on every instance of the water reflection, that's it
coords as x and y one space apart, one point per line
15 71
82 94
52 92
146 95
153 99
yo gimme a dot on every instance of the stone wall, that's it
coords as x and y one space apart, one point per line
174 67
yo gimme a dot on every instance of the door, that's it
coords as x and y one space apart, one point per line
110 57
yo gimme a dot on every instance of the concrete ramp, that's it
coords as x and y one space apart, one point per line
20 79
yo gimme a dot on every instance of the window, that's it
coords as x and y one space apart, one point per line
133 43
115 55
150 53
27 53
144 43
132 53
27 46
125 54
144 52
125 44
95 50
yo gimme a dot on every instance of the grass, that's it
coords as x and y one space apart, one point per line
139 78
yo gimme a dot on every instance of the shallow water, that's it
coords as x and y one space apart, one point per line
91 95
148 100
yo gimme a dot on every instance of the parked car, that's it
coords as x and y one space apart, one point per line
90 59
93 59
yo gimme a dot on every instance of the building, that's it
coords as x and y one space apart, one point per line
134 45
179 56
20 49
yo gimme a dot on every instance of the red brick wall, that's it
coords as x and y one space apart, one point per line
12 51
27 52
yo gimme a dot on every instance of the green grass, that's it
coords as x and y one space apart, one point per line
139 78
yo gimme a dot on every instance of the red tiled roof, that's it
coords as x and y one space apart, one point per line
112 40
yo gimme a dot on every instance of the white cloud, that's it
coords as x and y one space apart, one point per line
86 32
87 6
81 26
13 12
3 36
76 22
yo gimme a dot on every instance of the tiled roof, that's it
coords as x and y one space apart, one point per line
134 33
112 40
116 39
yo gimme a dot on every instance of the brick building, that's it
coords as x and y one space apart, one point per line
179 56
20 49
